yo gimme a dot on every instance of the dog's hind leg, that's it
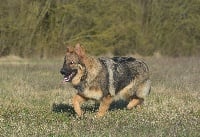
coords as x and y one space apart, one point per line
141 92
77 102
104 105
134 102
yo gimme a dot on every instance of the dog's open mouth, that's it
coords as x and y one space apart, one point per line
69 77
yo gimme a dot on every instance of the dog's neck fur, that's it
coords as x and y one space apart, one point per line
93 65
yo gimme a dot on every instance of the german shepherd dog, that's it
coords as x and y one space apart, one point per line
105 79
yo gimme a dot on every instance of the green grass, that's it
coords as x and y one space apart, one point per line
34 103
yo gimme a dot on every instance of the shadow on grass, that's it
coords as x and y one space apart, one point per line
63 108
66 108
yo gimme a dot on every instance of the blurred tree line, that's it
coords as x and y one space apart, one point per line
43 28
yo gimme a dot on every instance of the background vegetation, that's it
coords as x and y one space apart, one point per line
31 28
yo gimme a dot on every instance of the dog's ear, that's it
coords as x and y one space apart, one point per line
80 51
69 49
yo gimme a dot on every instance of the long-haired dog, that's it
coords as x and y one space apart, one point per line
105 79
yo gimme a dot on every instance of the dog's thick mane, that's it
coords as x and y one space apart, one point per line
93 67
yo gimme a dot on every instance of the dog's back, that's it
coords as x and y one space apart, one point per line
124 70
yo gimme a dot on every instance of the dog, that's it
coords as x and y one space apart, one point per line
105 79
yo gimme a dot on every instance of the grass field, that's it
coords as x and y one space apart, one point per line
34 103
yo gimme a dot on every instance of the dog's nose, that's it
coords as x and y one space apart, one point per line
62 71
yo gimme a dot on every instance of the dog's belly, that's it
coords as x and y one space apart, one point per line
93 93
97 94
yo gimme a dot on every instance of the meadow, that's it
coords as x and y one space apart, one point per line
33 102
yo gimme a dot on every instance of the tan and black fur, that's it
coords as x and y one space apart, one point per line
105 79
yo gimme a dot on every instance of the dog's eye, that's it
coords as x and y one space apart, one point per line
72 62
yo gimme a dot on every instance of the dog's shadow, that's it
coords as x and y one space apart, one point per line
66 108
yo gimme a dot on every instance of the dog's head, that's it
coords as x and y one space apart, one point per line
73 64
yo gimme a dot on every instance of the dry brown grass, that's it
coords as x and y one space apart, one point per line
33 103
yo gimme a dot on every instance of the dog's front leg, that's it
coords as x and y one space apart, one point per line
104 105
77 102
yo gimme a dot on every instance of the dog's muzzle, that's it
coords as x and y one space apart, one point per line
68 74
